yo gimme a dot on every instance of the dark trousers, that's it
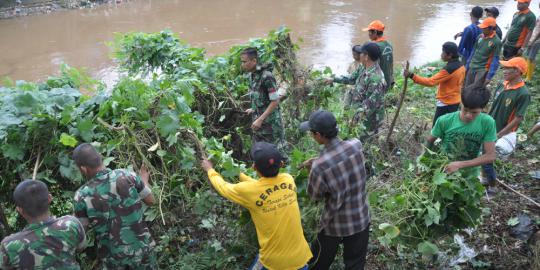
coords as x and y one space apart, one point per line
477 77
489 173
509 52
442 110
325 247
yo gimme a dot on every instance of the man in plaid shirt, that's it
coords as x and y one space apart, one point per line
338 177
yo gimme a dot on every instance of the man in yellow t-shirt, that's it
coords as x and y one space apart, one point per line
273 206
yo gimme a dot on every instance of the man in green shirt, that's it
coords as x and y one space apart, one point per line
465 132
511 101
386 61
520 30
484 60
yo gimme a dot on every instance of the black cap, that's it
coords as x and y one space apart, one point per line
266 156
372 50
492 10
320 121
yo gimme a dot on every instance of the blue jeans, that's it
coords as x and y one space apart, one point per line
489 172
257 265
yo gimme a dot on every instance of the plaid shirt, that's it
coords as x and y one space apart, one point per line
339 177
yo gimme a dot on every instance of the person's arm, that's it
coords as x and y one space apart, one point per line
270 85
510 127
533 130
224 188
487 157
317 187
493 66
462 43
430 141
522 102
346 79
81 235
79 210
530 27
145 192
436 79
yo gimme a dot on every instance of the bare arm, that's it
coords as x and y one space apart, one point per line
145 177
271 107
511 126
533 130
488 157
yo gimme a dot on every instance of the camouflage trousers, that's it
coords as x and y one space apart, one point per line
272 132
371 119
147 261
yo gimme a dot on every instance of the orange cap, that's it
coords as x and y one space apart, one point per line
375 25
488 22
524 1
516 62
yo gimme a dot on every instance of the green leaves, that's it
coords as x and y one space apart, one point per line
427 248
68 140
389 230
512 222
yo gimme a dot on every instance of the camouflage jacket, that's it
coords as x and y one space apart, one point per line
263 90
111 205
370 85
50 244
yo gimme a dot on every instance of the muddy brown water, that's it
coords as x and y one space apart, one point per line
33 47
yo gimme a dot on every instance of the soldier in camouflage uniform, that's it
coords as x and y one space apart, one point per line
367 98
111 204
267 126
47 242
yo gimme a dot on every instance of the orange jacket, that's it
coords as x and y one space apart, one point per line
450 80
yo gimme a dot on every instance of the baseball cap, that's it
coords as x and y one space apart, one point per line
372 50
492 10
320 121
488 22
523 1
266 156
516 62
375 25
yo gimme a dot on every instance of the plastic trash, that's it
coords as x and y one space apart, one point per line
524 229
506 144
465 253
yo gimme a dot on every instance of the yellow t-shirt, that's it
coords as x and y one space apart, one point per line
274 209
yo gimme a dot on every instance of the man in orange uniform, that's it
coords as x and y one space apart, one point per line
449 79
386 61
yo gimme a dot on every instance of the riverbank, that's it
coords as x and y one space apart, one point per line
18 8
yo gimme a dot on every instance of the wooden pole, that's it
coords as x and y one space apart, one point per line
400 104
518 193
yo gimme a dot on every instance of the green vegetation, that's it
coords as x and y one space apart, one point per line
175 101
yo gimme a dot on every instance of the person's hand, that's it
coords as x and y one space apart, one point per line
257 124
453 167
144 174
486 82
520 51
329 81
457 35
249 111
206 165
406 73
307 164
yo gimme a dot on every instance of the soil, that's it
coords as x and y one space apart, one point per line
48 6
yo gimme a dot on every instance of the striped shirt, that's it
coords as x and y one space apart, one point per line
339 177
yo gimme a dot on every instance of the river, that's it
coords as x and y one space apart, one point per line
33 47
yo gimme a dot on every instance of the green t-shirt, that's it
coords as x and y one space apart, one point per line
522 23
463 141
386 62
485 49
508 104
